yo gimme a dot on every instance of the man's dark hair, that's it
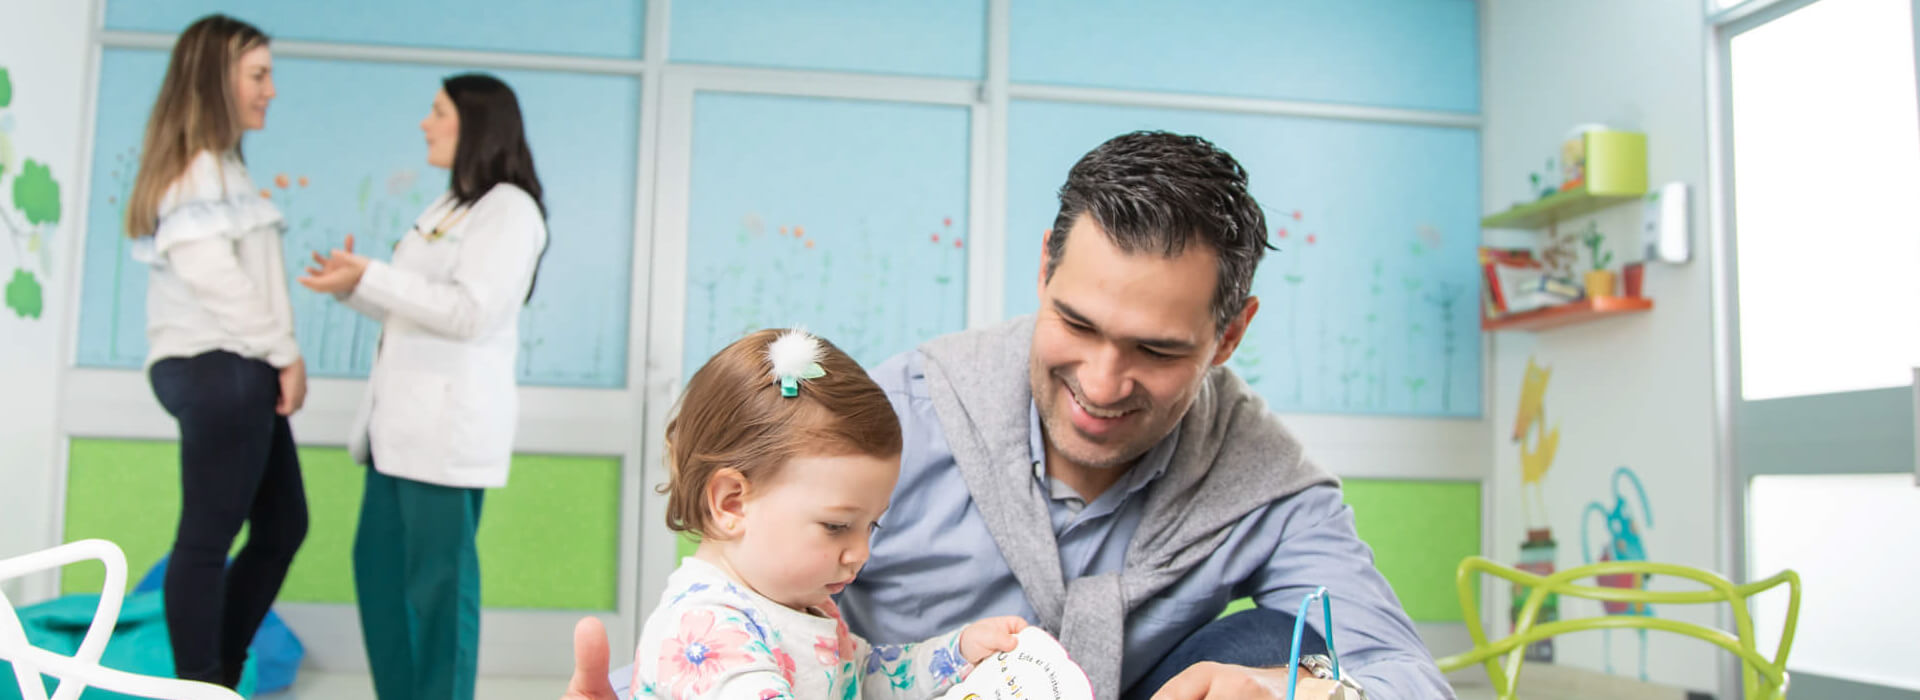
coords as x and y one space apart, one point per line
1153 191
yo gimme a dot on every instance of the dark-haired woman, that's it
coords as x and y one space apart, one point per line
436 426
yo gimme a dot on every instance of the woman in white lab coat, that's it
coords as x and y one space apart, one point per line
436 426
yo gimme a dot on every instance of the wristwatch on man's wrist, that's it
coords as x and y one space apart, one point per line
1321 666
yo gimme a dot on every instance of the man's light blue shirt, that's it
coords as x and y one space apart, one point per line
935 566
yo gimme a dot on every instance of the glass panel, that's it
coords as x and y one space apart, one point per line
1850 539
1826 164
788 225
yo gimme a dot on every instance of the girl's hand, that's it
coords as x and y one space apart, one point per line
985 637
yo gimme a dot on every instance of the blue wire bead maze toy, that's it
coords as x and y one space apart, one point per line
1325 681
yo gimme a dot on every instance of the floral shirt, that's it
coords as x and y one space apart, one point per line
711 637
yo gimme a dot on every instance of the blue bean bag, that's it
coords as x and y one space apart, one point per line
140 643
274 656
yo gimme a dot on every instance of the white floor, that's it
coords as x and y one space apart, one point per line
1477 689
1543 680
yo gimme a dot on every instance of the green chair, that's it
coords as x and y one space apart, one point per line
1764 679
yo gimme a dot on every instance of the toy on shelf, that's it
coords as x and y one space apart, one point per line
1609 167
1573 156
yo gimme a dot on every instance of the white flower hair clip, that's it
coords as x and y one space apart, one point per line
795 356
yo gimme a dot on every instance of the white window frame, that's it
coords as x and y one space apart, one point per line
1722 24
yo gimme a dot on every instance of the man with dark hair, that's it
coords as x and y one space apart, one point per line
1097 469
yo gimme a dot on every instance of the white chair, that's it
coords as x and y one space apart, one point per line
83 669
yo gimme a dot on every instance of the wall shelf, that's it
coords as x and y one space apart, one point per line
1557 207
1590 309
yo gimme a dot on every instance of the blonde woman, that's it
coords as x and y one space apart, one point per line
222 357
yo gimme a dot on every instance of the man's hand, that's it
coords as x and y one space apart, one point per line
1214 681
589 663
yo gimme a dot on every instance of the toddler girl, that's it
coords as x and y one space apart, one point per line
782 457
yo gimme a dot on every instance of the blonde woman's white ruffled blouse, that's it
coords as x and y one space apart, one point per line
217 277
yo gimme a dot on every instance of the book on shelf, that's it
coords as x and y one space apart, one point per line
1516 282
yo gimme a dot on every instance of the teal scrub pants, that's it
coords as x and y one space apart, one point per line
418 578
